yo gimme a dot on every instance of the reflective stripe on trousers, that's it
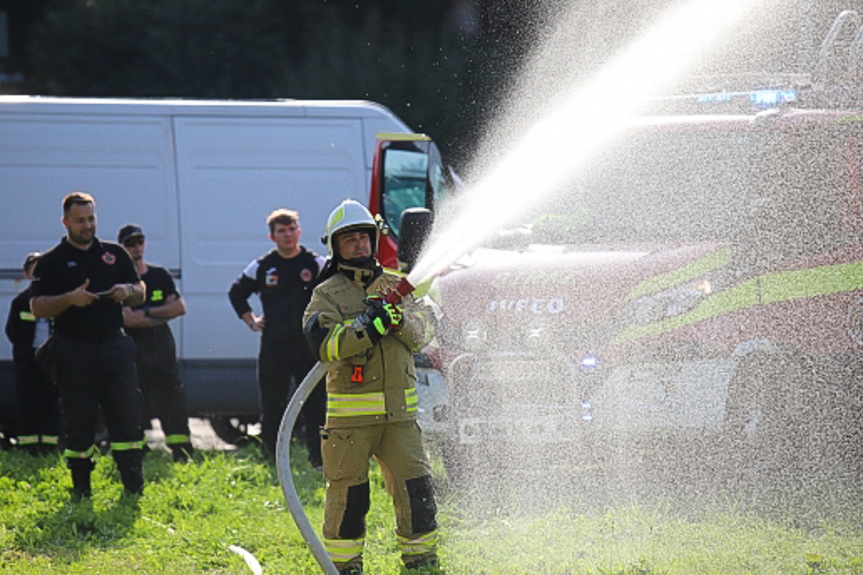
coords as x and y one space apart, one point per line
344 550
425 543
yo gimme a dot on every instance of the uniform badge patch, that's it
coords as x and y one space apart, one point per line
306 275
272 278
109 258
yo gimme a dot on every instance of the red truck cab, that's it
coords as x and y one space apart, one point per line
703 278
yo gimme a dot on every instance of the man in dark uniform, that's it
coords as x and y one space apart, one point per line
82 283
147 325
38 403
284 278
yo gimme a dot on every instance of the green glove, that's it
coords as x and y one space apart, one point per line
381 317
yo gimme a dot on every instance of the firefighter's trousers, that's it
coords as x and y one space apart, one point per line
398 449
278 360
93 375
159 381
39 421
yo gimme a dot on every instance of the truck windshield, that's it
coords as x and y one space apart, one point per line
404 184
693 186
413 178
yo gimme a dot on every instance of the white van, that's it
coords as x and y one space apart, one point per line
200 177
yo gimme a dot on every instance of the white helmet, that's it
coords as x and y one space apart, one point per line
349 214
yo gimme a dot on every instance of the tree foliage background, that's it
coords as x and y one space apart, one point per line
437 64
446 67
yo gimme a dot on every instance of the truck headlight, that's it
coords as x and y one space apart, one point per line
474 335
589 362
671 302
536 335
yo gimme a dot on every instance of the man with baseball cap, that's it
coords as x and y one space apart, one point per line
147 324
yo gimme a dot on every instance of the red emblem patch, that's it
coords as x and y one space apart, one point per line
306 275
109 258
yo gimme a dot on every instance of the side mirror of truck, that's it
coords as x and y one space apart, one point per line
415 225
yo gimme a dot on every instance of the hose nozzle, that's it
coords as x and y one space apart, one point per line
403 288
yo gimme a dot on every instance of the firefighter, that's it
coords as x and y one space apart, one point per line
38 404
83 283
283 278
156 351
371 399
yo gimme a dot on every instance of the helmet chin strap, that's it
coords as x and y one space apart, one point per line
359 269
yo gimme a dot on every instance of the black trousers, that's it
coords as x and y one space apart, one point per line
94 374
282 365
37 398
159 379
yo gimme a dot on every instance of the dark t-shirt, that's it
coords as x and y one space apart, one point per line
160 286
285 287
64 268
19 330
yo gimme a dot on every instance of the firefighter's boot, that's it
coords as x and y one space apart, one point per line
182 452
131 470
426 562
81 470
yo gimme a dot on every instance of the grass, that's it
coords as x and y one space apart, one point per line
191 513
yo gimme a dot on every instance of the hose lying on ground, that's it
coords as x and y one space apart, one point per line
283 464
250 560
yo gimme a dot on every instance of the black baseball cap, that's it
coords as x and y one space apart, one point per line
30 258
129 231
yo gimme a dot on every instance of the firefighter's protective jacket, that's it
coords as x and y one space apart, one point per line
368 383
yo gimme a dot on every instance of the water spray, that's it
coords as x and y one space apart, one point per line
589 117
554 148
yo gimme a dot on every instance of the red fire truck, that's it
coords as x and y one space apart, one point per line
702 280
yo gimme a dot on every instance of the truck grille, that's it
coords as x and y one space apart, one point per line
514 383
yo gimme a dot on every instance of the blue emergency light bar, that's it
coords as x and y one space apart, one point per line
757 98
772 97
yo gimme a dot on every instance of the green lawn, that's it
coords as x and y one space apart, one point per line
191 513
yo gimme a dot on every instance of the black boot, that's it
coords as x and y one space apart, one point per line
81 470
133 478
428 561
182 452
131 470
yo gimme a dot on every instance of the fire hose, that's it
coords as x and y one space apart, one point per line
283 445
283 464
